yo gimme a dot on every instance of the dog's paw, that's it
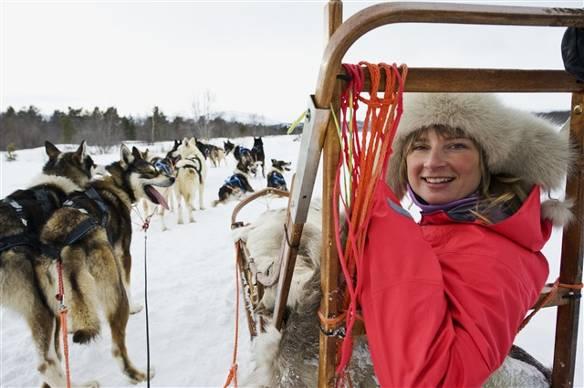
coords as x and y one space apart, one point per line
84 336
202 208
137 376
136 308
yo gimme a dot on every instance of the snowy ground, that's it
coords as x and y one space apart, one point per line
191 292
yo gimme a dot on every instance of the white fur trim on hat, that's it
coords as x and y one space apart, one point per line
514 142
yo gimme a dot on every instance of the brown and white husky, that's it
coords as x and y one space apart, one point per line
27 274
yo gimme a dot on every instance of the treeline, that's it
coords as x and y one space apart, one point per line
27 128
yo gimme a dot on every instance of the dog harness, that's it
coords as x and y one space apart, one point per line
28 204
235 181
165 166
275 179
91 203
197 166
240 152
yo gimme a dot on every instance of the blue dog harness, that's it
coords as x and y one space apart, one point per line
164 166
235 181
275 179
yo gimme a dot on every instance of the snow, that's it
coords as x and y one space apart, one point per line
190 290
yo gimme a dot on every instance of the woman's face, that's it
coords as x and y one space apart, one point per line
441 169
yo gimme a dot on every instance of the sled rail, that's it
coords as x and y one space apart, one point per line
483 80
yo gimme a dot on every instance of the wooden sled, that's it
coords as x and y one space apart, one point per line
320 135
252 280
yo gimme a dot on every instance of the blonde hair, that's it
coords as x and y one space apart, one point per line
496 191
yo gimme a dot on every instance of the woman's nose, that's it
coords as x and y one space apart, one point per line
434 159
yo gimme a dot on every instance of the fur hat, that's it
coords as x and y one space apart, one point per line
514 142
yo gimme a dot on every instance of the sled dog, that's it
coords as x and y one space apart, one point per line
276 175
167 166
93 230
238 183
257 153
190 178
27 267
290 358
214 153
239 152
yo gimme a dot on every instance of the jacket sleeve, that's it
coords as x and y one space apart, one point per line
413 338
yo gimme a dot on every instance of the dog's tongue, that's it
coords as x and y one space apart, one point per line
155 194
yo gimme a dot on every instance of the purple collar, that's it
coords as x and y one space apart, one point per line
427 208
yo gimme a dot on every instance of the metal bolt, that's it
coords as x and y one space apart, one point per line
578 109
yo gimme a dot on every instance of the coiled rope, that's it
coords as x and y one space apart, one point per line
362 162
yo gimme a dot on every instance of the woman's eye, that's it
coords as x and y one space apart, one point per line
419 147
457 146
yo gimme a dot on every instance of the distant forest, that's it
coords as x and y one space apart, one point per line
27 128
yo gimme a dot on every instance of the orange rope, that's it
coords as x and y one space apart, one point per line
63 319
366 159
232 376
552 294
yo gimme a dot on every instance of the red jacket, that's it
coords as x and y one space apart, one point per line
442 300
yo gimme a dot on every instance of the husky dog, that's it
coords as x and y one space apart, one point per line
190 178
257 153
238 183
167 166
27 273
214 153
93 231
239 152
276 174
290 358
228 147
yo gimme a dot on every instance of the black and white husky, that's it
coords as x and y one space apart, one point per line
237 184
276 175
257 153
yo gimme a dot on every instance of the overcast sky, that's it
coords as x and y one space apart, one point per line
256 57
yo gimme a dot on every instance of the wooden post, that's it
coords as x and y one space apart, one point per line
566 343
329 268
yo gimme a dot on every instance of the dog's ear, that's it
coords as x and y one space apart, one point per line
81 152
51 150
136 153
185 141
193 141
126 156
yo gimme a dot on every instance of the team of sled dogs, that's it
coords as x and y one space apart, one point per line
79 214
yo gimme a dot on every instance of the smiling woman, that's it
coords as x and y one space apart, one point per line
461 281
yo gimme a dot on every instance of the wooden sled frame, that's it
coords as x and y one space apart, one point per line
320 134
253 281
